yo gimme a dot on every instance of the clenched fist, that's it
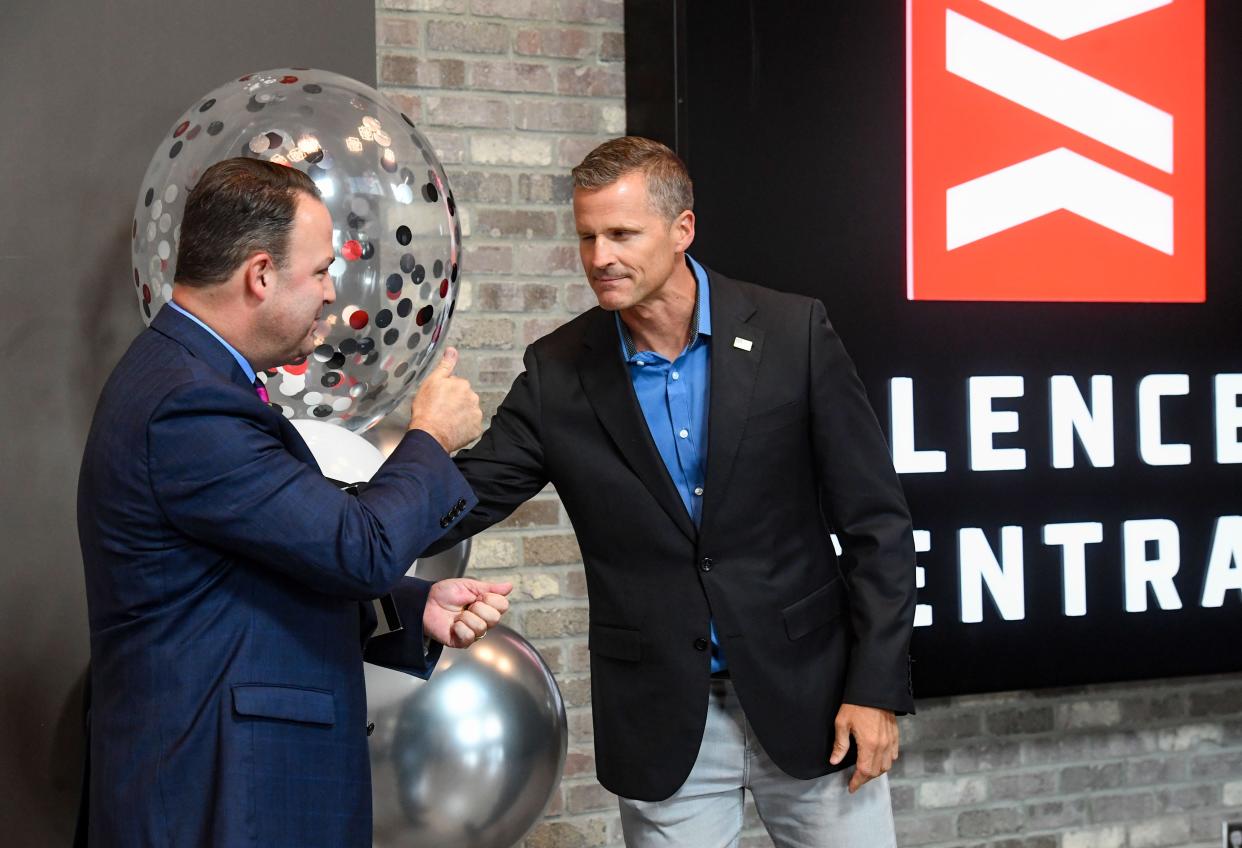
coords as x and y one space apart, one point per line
446 407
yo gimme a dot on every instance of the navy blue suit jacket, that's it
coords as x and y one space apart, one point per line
223 579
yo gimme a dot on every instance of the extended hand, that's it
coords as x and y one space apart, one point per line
460 610
876 735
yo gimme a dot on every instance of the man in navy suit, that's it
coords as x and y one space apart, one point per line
228 582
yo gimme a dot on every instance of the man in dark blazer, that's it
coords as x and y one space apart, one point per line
228 582
705 436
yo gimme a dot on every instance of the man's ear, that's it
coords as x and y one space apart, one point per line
683 230
259 276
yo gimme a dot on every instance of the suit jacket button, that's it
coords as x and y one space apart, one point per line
700 644
461 503
444 522
705 564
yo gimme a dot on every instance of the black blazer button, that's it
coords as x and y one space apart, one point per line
705 564
444 522
461 503
700 644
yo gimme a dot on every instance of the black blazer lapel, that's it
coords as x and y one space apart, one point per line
611 394
734 368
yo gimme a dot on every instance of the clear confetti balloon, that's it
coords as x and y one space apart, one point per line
395 230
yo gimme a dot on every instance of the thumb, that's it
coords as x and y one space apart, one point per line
447 362
841 746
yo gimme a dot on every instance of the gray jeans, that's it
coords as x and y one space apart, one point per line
706 812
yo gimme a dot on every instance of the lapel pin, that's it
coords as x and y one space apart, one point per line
742 344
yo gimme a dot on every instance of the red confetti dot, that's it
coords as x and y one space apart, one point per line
358 319
444 288
297 369
394 295
185 125
288 80
246 77
136 282
146 294
351 250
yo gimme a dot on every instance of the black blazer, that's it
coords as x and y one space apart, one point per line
793 450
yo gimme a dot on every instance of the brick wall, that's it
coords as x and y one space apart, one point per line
512 93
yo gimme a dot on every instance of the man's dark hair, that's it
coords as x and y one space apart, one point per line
239 207
668 183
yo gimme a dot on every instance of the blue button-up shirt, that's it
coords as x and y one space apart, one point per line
674 400
241 360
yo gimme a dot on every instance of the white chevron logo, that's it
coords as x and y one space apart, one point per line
1060 179
1068 18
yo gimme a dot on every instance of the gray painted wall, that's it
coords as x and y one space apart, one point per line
86 92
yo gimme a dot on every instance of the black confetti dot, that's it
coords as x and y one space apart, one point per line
330 379
413 340
437 270
388 162
383 318
146 308
390 337
407 262
312 88
349 346
146 201
207 104
371 359
394 283
406 118
323 352
429 193
452 205
368 250
315 158
425 291
275 139
337 360
424 315
322 411
214 127
404 307
407 176
404 236
354 222
400 370
366 345
419 274
453 275
174 150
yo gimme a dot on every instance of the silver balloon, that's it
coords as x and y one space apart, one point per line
396 230
470 758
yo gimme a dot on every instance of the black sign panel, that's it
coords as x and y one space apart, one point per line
1074 467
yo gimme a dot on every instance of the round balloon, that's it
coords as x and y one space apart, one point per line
396 230
470 758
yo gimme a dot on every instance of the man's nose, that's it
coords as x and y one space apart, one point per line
602 253
329 289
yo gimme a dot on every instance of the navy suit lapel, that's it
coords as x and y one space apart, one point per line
607 386
734 369
202 346
200 343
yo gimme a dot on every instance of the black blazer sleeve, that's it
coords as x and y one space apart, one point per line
864 502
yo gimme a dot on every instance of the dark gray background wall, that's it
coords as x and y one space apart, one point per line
86 92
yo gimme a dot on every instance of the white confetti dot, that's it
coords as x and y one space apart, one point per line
312 398
170 193
341 404
163 250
